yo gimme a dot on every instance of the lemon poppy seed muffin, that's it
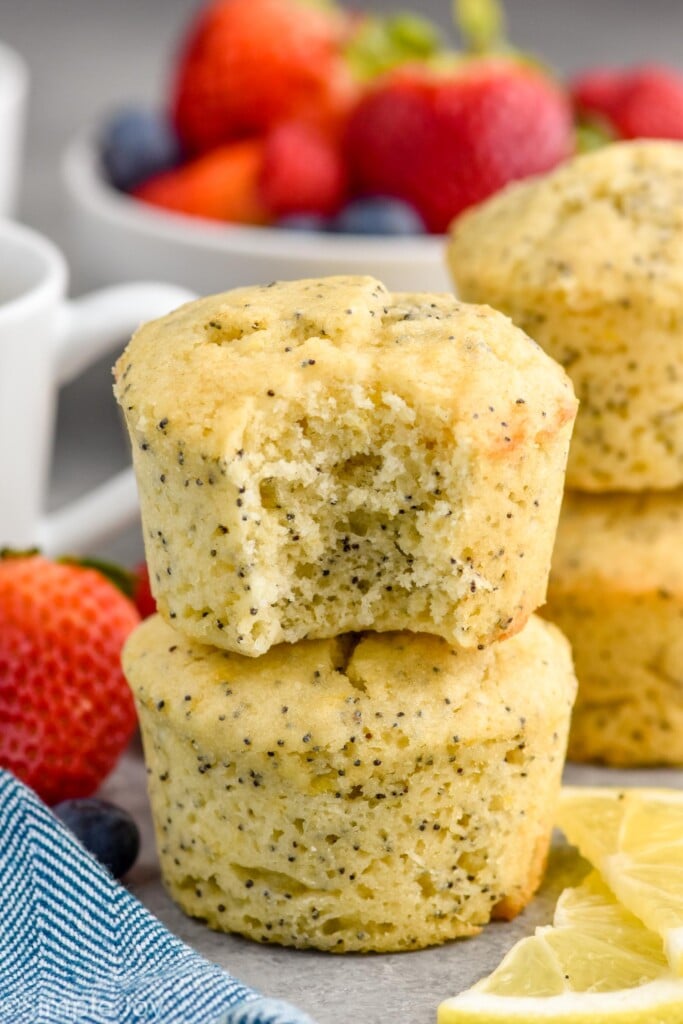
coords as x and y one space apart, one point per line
616 589
589 261
317 457
366 792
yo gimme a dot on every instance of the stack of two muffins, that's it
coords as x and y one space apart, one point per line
590 262
316 460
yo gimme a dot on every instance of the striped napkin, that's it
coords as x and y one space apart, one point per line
77 948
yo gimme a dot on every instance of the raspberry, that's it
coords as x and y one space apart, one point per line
302 172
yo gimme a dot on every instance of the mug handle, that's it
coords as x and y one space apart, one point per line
90 327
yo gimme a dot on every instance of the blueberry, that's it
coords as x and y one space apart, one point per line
107 831
135 145
303 222
378 215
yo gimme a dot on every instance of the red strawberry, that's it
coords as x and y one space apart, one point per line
222 185
643 103
66 710
444 141
597 91
303 172
143 598
249 64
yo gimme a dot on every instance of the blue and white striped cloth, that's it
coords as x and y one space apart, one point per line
77 948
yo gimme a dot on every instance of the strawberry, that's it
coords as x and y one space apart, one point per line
640 103
142 596
66 710
222 185
303 172
596 92
248 64
443 141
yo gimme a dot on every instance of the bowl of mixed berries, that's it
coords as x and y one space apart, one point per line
299 139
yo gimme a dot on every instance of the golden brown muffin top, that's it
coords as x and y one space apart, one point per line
205 371
397 692
607 227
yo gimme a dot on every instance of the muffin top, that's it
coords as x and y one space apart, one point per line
387 692
607 227
208 369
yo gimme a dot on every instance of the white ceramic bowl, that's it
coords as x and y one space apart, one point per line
118 238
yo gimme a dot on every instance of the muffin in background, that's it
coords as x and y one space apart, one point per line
589 261
317 457
376 792
616 590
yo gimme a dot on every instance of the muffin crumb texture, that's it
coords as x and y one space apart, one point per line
589 261
368 792
616 590
317 457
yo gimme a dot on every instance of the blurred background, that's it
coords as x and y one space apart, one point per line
88 57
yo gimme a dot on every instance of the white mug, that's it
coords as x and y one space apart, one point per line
13 92
45 341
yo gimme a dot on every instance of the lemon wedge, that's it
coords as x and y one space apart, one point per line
596 964
634 837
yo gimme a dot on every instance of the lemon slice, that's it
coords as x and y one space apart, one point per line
634 837
597 964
